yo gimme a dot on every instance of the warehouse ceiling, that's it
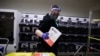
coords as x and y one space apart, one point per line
64 2
72 7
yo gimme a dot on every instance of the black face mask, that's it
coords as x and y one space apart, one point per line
54 16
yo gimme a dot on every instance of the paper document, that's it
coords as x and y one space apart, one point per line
54 34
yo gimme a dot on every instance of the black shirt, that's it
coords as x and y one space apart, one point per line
44 26
46 23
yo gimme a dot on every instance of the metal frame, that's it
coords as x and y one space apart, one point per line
5 48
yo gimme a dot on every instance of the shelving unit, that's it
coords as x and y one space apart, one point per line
28 41
75 35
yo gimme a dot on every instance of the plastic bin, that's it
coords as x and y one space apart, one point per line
31 54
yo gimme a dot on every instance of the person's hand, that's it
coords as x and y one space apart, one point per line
45 35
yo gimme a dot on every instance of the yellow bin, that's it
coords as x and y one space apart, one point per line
31 54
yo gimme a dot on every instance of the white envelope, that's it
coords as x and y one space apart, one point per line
54 34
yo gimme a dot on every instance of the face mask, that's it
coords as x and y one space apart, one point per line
54 16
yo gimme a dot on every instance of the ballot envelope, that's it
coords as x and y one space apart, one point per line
54 34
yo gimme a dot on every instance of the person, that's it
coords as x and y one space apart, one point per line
48 20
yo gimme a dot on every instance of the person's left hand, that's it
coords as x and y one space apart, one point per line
45 35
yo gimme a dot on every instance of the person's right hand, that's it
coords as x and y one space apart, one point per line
45 35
